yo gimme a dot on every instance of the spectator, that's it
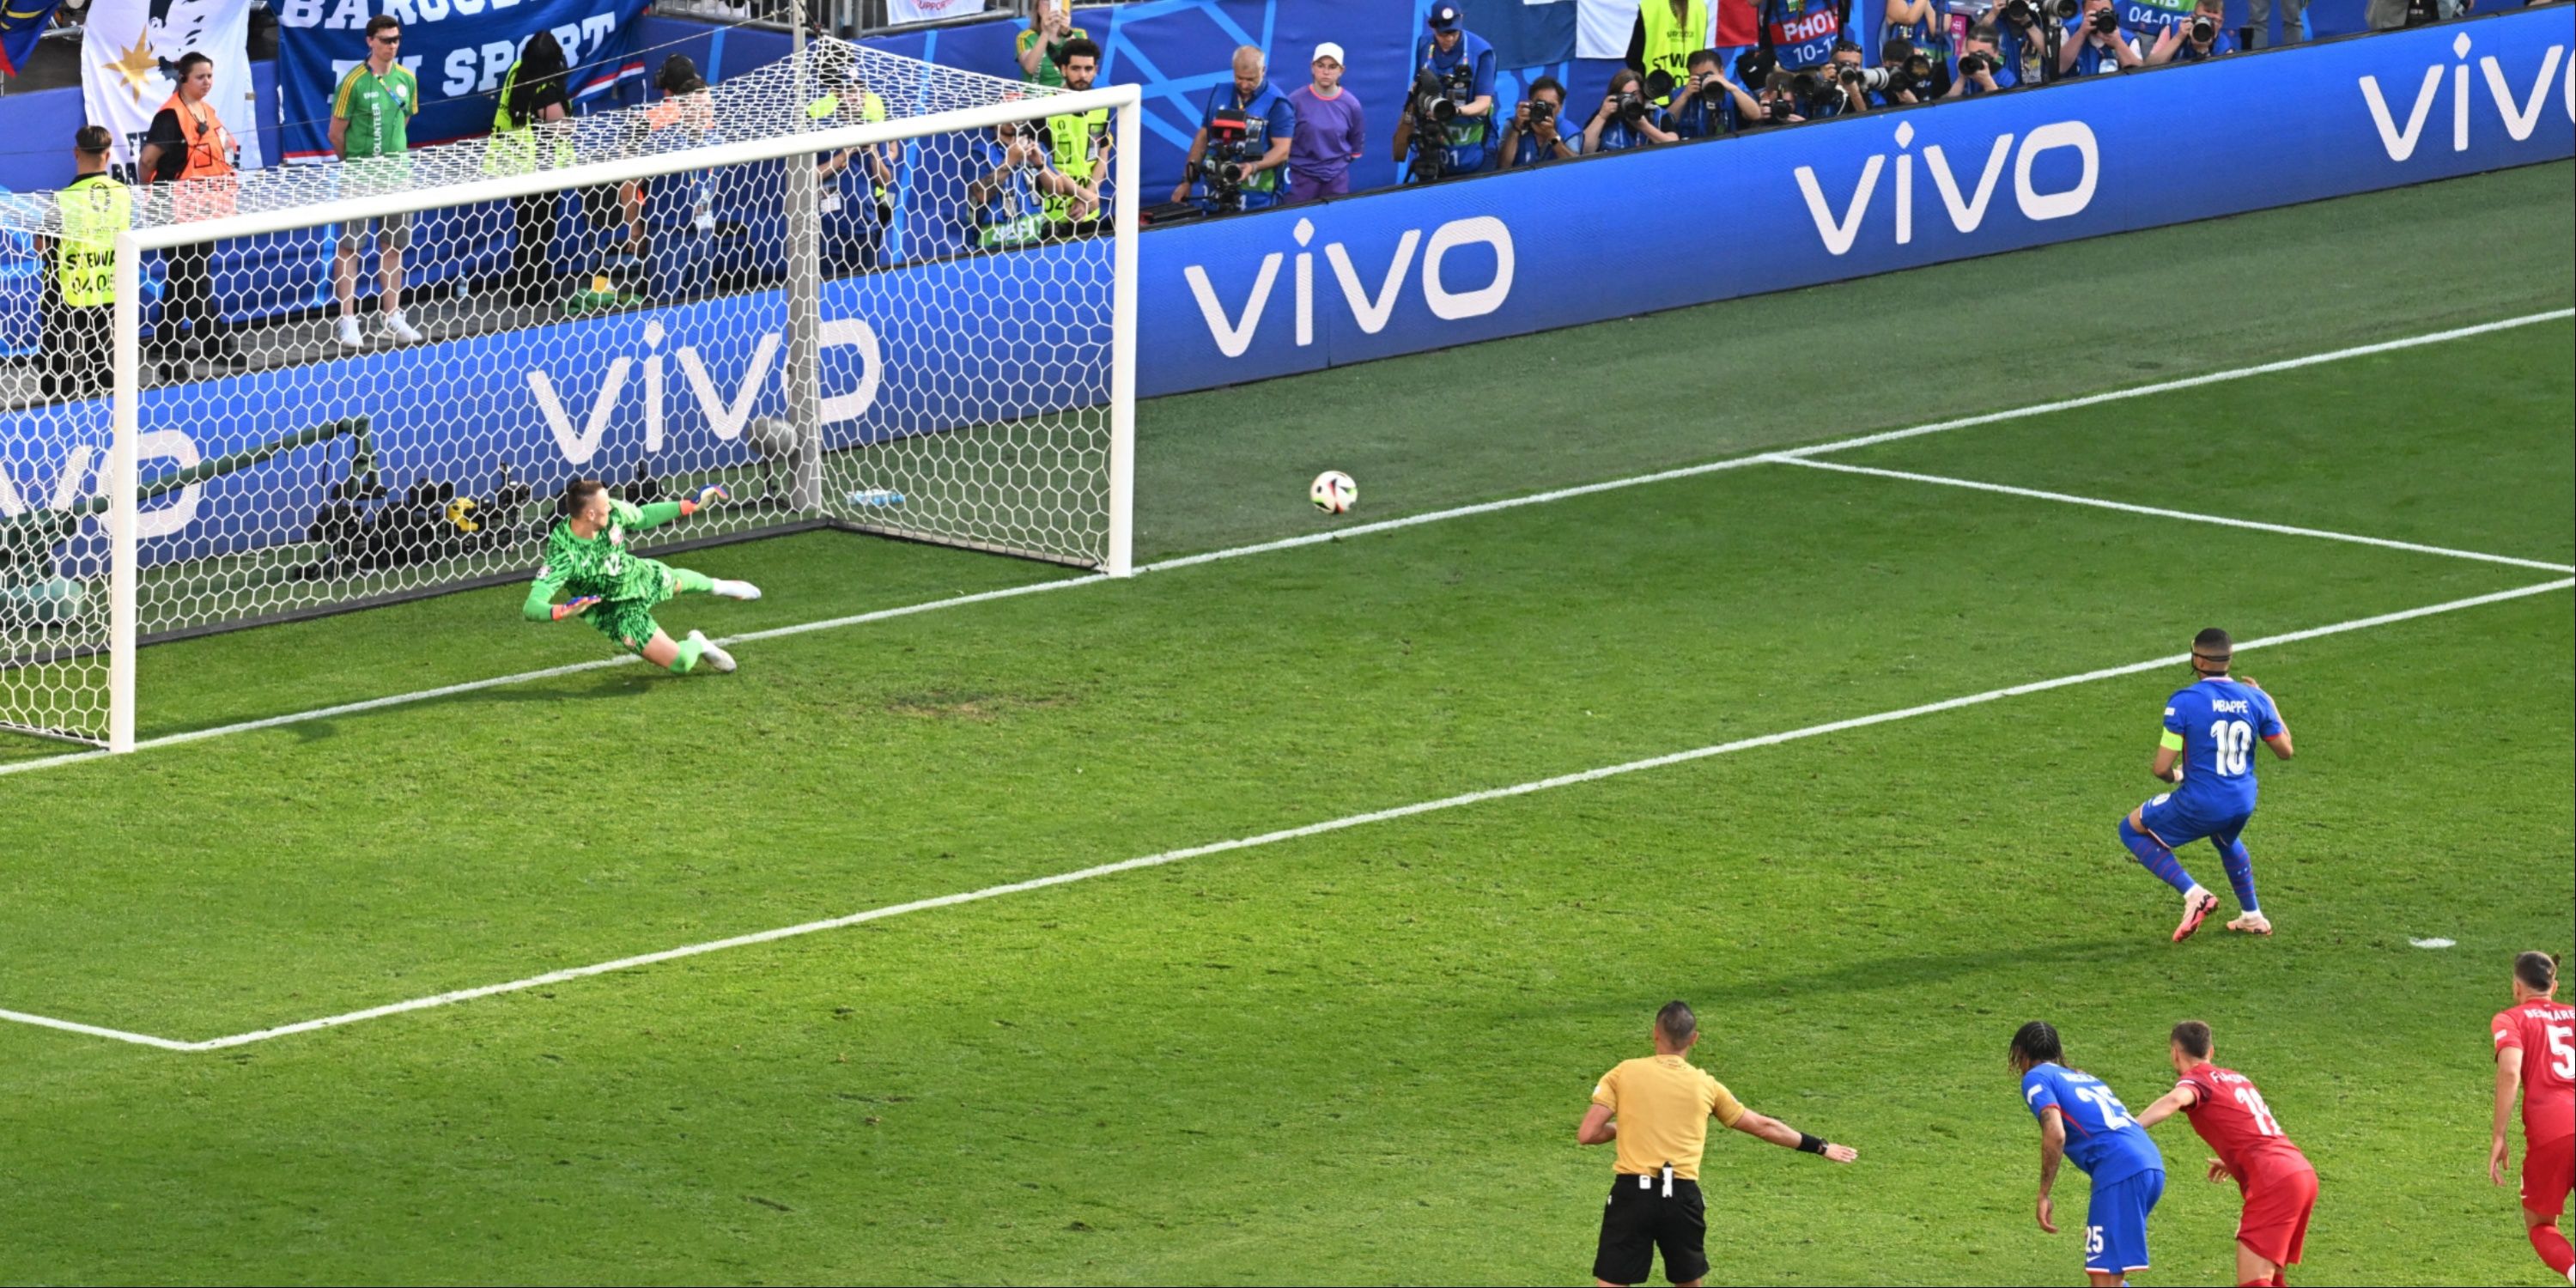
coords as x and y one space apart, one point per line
370 122
1463 64
2200 37
187 145
1537 134
1982 67
1331 132
2099 45
1707 104
2294 21
80 299
1041 46
856 200
1625 119
1006 200
533 102
1267 125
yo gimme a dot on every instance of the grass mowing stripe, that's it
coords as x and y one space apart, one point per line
1296 833
2160 513
2187 382
1793 456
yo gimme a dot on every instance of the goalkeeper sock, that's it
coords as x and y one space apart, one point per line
2154 857
2240 873
693 583
687 658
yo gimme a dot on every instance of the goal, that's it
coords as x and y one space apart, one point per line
859 291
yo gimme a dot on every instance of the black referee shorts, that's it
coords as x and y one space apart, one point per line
1639 1220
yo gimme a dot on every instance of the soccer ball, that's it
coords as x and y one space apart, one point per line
1333 492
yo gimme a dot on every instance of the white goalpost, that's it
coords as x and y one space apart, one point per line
858 291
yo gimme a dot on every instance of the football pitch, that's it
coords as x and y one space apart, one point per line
1268 916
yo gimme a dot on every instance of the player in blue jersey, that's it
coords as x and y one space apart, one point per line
2208 755
2080 1118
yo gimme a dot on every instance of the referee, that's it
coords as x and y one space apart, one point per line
1654 1191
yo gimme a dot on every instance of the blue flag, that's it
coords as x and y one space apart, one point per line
21 22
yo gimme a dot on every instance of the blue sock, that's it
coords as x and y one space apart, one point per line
2154 857
2240 873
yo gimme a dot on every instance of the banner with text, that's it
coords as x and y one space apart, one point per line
459 49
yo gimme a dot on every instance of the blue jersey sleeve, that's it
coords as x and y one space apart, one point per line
2271 725
2038 1093
2179 713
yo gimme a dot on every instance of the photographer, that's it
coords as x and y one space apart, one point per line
1241 172
1982 68
2099 45
1626 120
1905 75
1839 88
1015 177
1453 93
1535 136
1708 104
2024 32
1925 26
2199 38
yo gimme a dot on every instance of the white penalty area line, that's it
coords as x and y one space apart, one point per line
2160 513
1792 456
1267 838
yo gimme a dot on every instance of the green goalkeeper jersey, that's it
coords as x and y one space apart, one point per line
602 565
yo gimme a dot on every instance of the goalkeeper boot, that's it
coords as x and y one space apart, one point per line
710 654
733 589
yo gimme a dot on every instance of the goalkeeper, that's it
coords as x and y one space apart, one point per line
615 590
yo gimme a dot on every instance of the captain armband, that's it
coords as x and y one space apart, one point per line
2171 741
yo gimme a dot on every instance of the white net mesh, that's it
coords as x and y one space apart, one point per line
301 454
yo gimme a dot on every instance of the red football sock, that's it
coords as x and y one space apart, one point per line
2280 1278
2554 1252
2264 1282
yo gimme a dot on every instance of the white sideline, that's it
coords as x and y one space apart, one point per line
2160 513
1794 456
1268 838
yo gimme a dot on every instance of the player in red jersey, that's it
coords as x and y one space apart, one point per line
2535 1046
2278 1186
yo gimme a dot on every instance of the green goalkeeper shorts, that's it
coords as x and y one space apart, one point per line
628 623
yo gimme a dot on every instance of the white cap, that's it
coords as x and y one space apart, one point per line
1327 50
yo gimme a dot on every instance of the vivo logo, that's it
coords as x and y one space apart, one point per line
2520 116
1965 203
1370 307
78 480
726 411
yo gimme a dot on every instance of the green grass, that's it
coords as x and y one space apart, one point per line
1360 1055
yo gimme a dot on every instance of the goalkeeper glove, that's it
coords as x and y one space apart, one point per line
707 496
574 607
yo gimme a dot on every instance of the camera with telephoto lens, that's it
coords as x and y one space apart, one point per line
1869 79
1971 64
1631 106
2203 30
2027 13
2105 21
1436 98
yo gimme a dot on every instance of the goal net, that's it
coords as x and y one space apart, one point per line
856 290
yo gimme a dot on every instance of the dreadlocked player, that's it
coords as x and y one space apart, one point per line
616 590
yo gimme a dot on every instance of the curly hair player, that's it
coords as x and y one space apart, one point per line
616 590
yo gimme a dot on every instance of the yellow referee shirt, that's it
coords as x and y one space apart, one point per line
1663 1103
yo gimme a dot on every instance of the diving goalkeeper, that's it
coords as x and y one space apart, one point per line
616 591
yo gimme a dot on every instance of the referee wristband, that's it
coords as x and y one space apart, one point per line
1810 1144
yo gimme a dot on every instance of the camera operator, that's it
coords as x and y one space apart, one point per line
1246 175
1982 69
2100 45
1461 65
1625 120
1707 104
2201 37
1537 136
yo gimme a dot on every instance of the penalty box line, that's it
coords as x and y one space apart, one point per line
1272 838
1793 456
2158 512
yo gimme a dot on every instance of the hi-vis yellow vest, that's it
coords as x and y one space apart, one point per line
1670 42
95 209
1070 138
513 146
